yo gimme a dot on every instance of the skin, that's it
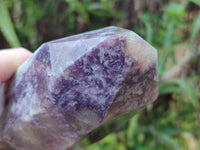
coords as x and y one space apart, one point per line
10 60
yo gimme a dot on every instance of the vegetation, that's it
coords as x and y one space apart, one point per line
172 27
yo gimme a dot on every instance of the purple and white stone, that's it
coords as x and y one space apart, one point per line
73 85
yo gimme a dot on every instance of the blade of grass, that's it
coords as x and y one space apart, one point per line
168 140
165 89
132 127
195 30
6 26
178 86
148 27
167 48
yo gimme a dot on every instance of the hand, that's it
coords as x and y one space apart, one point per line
10 60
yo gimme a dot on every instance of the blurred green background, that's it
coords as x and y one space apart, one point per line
171 26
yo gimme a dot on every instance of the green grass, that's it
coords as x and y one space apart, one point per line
6 26
173 123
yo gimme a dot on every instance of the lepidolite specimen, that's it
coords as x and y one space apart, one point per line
73 85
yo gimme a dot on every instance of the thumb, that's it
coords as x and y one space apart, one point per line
10 60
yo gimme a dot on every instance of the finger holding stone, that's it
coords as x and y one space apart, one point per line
10 60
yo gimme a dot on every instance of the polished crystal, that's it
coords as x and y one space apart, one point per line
71 86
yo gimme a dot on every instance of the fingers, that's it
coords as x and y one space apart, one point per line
10 60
